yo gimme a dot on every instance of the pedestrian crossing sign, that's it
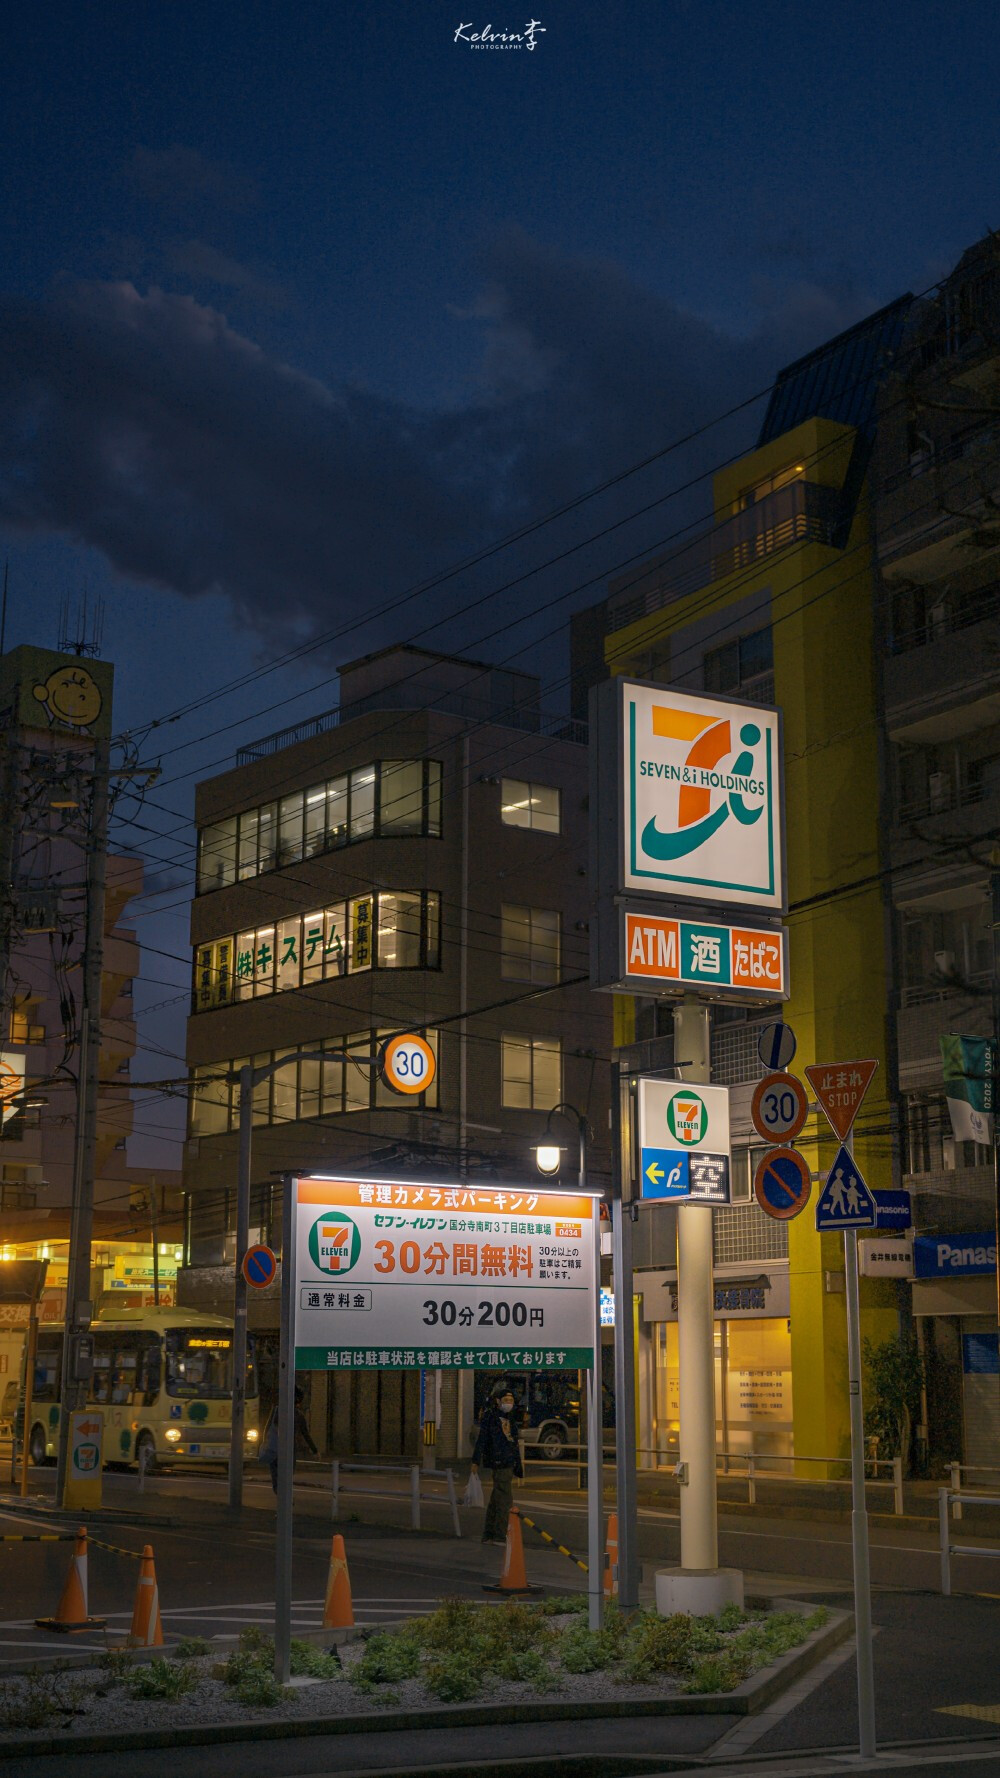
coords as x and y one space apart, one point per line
845 1201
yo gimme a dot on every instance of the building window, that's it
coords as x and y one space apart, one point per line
744 665
529 944
302 1089
395 796
529 805
395 929
532 1072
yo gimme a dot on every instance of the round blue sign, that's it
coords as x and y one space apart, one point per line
782 1184
259 1266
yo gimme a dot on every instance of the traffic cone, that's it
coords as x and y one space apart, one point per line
611 1558
338 1607
146 1631
71 1612
514 1578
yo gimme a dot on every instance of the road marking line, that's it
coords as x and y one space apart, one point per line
981 1712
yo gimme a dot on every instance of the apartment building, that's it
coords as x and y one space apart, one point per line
413 859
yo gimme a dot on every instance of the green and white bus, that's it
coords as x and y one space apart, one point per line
163 1379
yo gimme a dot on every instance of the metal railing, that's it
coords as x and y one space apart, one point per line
947 1497
960 612
417 1476
955 1474
758 1467
531 721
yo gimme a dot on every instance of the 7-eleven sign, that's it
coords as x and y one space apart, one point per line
840 1087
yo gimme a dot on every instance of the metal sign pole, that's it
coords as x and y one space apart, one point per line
595 1437
696 1335
286 1442
236 1430
859 1511
621 1266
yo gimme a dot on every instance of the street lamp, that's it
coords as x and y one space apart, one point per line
549 1153
548 1157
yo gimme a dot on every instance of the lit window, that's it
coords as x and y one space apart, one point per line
217 856
529 944
399 924
529 805
401 796
532 1072
363 803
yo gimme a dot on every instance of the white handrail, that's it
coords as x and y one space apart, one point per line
416 1474
949 1549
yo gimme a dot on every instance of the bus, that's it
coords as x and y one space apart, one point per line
162 1378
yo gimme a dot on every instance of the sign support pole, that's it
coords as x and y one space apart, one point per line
696 1334
859 1511
240 1296
286 1442
621 1262
595 1422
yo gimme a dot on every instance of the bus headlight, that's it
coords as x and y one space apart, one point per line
252 1435
172 1434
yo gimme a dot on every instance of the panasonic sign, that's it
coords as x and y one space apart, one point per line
954 1256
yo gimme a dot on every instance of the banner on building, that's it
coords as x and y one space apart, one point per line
391 1275
969 1066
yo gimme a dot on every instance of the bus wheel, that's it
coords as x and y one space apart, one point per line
146 1443
37 1447
552 1443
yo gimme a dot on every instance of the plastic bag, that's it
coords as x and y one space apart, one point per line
473 1495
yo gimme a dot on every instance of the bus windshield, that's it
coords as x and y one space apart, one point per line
200 1362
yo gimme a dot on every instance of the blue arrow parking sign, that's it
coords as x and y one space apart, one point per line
664 1173
845 1201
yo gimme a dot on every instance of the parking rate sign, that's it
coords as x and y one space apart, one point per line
397 1276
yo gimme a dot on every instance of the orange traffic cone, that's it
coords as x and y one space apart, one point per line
611 1558
514 1578
71 1612
338 1608
147 1631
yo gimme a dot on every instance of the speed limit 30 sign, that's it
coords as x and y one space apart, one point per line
408 1064
779 1108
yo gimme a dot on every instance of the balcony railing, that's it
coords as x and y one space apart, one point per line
801 512
939 801
528 721
957 612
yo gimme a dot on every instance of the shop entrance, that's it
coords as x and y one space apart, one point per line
753 1391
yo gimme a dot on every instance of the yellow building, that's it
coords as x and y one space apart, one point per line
777 603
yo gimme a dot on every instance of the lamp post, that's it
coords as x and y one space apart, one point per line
548 1159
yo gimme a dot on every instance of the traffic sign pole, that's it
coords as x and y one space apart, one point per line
859 1510
240 1293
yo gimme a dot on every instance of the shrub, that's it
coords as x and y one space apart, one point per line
588 1651
720 1673
191 1647
30 1703
256 1641
731 1617
452 1678
386 1660
528 1665
659 1645
452 1626
162 1679
117 1663
258 1689
561 1606
314 1662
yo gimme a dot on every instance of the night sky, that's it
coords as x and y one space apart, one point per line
304 306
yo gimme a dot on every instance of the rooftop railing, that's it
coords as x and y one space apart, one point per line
527 721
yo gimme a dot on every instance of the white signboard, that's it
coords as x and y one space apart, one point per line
701 792
694 1118
887 1257
392 1275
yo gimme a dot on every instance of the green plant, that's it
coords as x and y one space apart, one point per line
258 1689
529 1666
117 1663
162 1679
731 1617
314 1662
658 1645
893 1379
453 1678
256 1641
719 1673
561 1606
588 1651
32 1701
387 1660
452 1626
191 1647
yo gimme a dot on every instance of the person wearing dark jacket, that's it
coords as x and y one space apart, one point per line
497 1449
303 1439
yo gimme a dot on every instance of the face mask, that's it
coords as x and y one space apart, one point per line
507 1406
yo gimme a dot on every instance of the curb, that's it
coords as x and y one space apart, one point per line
110 1515
746 1700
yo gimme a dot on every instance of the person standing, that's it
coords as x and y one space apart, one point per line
303 1439
498 1449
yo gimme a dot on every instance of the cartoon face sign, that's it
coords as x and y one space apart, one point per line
70 698
11 1088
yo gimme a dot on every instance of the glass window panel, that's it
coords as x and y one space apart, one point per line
515 803
544 945
312 946
263 960
335 940
217 856
246 951
515 943
309 1089
336 812
268 845
756 653
315 821
546 1086
721 668
357 1084
290 828
399 930
203 985
249 831
363 803
361 933
262 1093
223 971
209 1102
285 1090
333 1081
401 808
433 929
516 1065
289 953
434 797
545 807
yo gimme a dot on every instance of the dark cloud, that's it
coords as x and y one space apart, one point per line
146 427
179 178
203 263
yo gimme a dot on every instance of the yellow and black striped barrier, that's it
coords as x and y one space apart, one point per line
37 1537
547 1538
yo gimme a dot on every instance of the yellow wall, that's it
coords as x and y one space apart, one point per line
821 612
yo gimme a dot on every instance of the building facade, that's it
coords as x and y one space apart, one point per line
415 859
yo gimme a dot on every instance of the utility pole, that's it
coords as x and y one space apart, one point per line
995 984
78 1303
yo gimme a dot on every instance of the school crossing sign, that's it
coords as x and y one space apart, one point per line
393 1275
